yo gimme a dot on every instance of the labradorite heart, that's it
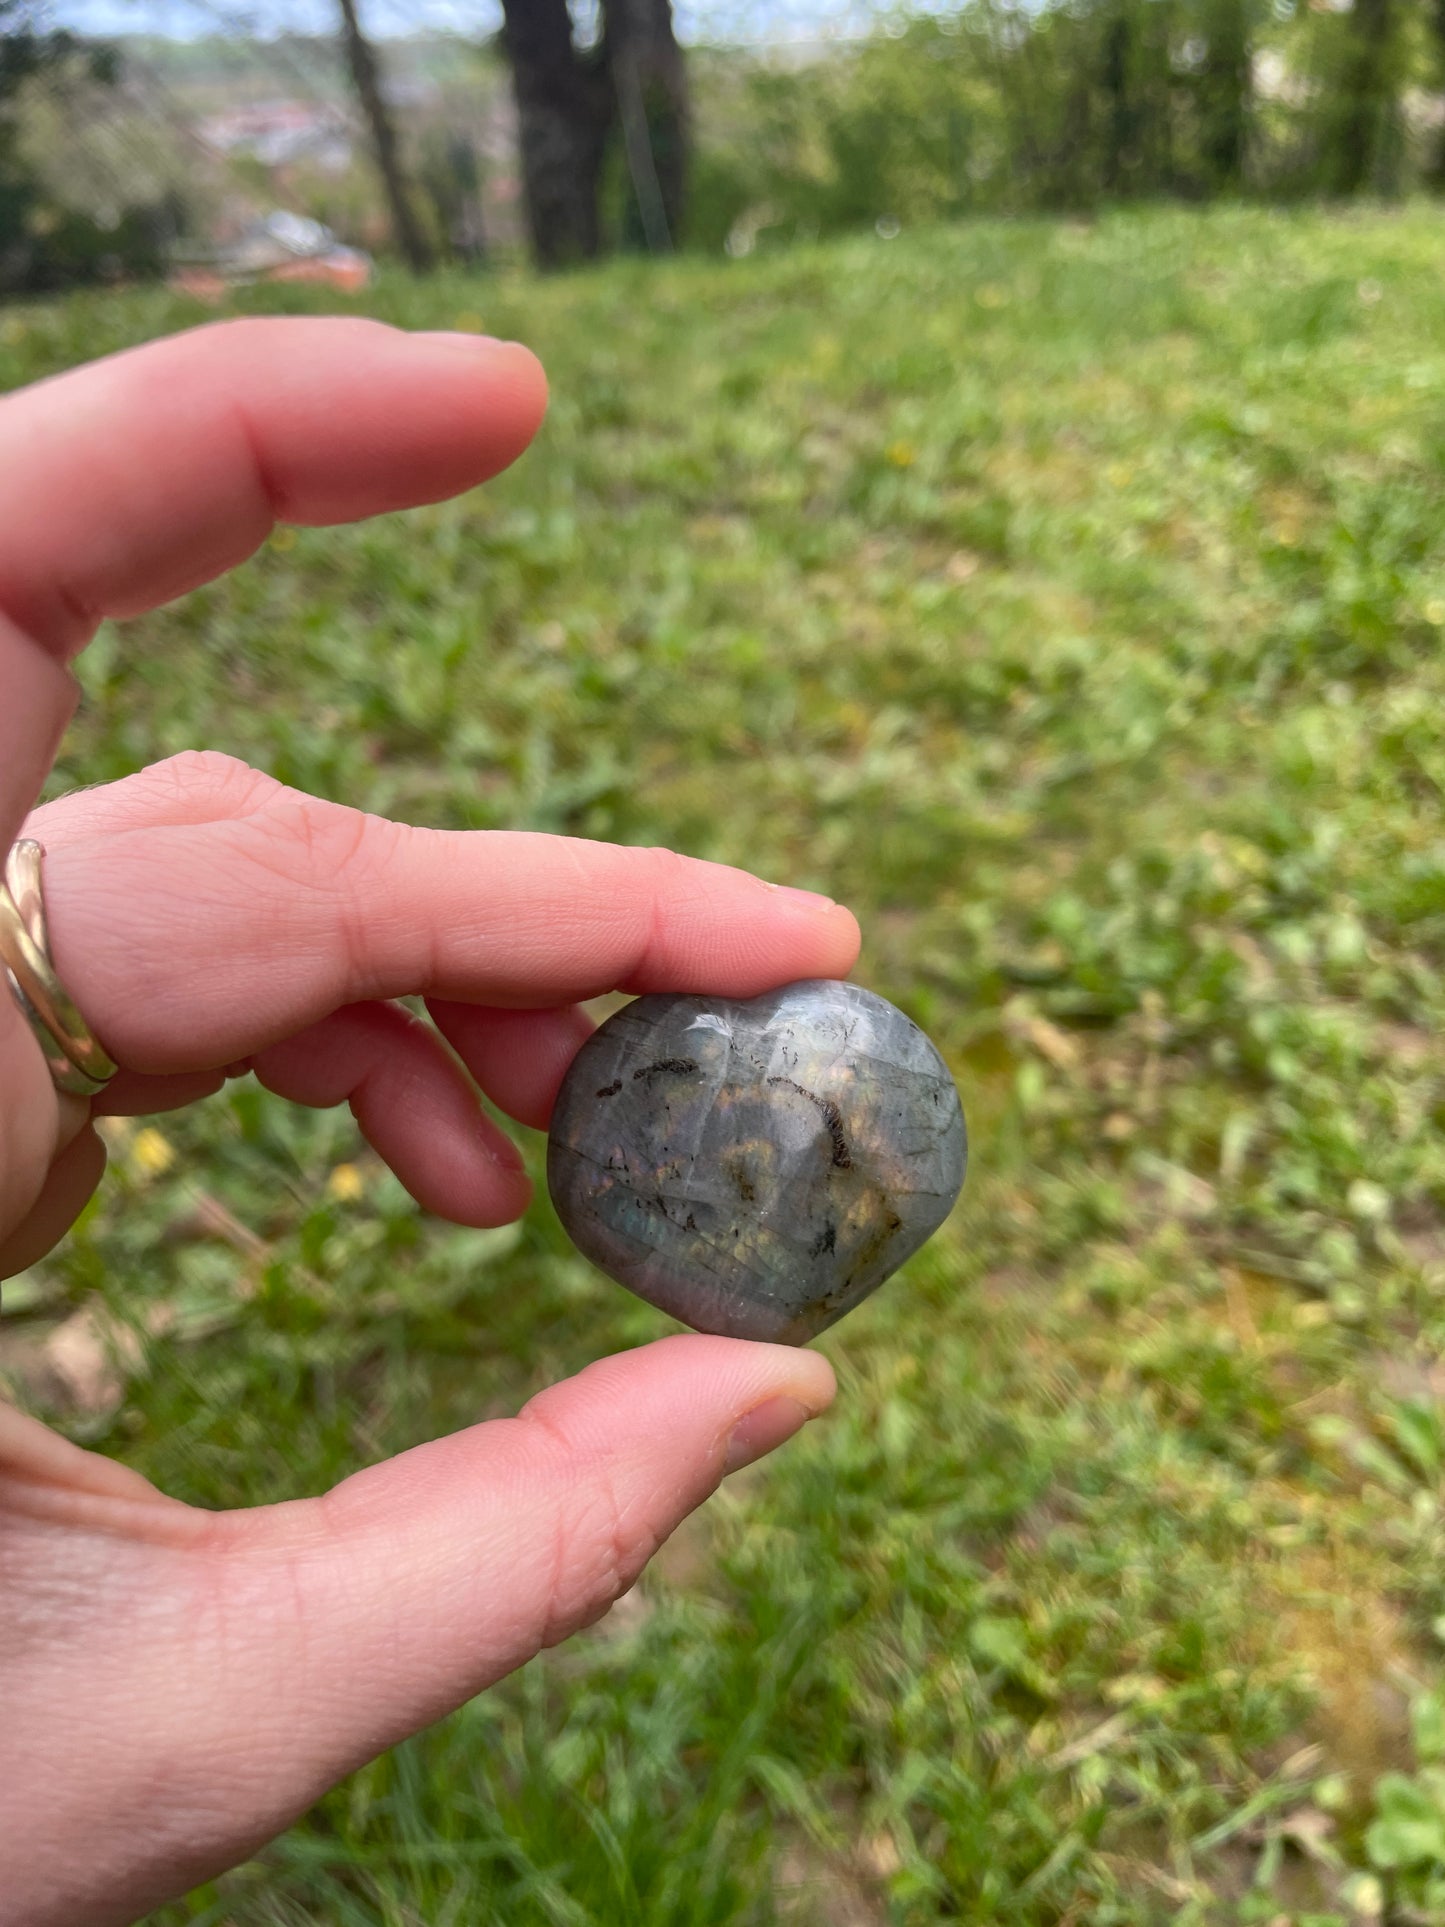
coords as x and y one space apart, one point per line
756 1167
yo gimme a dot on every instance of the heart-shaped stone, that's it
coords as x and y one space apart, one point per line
756 1167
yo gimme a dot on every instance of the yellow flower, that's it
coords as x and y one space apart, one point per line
345 1184
901 454
151 1153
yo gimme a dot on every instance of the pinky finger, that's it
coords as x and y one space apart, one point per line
413 1103
138 1094
73 1177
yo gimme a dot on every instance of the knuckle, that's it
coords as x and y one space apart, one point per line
195 786
598 1548
668 882
666 868
319 842
343 858
597 1557
206 774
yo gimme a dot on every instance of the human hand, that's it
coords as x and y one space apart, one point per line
176 1686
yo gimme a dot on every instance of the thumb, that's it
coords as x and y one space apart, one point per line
228 1669
432 1575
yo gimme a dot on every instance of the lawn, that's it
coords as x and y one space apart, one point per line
1069 599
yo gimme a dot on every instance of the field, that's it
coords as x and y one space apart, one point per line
1070 601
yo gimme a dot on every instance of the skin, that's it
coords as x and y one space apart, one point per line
176 1686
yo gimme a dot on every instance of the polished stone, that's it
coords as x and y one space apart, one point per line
756 1167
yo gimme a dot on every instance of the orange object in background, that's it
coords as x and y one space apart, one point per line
345 268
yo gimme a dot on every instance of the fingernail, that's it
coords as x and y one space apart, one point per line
766 1427
805 899
503 1152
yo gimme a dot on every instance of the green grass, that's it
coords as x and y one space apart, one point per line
1070 600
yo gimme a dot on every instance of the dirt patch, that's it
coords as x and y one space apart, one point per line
1353 1646
817 1889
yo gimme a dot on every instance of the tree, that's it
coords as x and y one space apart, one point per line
1224 90
451 174
564 114
1366 104
650 85
25 50
571 100
1435 161
43 243
361 58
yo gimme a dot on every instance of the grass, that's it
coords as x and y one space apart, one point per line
1068 599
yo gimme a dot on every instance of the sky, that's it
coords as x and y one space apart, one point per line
732 20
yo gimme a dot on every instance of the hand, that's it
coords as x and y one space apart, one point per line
176 1686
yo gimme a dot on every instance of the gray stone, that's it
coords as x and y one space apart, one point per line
756 1167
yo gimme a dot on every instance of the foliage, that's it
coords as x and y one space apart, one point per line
24 51
1406 1839
1069 599
996 107
46 241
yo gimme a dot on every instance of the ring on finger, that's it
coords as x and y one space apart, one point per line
78 1063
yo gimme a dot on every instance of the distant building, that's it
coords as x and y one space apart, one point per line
280 132
279 246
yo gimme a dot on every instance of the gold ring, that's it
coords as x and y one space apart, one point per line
76 1061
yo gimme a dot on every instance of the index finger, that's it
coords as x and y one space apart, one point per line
136 478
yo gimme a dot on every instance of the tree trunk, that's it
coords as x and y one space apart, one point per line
1435 165
1224 94
650 82
568 103
451 178
1369 98
564 115
1120 116
361 59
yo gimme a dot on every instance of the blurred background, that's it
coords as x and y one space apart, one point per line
994 476
150 137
